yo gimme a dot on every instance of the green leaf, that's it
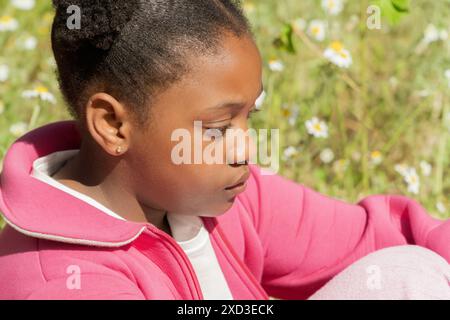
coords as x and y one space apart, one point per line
285 40
401 5
393 13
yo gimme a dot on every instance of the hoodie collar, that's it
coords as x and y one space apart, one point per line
40 210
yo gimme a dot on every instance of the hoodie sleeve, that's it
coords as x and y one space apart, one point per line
308 237
93 287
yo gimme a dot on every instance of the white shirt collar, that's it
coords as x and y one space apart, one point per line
188 231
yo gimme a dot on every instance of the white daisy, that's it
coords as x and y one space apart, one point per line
289 152
340 165
412 180
431 34
401 168
337 54
316 29
29 43
376 157
276 65
317 128
23 4
18 129
4 72
299 24
260 101
413 188
425 167
333 7
441 207
8 23
40 92
291 113
326 155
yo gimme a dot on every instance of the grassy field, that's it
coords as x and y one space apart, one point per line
380 95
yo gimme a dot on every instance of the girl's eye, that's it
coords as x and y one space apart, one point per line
222 130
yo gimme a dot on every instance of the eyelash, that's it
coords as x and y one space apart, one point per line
225 128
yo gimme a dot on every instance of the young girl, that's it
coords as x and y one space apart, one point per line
97 209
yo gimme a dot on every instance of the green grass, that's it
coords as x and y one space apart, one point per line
394 98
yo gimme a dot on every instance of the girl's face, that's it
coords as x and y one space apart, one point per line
220 91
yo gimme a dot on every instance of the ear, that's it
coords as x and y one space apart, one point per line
108 123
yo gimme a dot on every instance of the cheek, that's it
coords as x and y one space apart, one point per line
198 190
194 189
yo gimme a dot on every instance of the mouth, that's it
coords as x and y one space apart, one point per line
240 185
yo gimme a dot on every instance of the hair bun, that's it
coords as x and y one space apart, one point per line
101 22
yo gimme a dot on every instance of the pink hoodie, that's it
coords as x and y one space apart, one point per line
280 238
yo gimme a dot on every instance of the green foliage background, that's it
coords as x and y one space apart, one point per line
394 98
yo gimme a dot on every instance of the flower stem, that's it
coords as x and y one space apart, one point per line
34 116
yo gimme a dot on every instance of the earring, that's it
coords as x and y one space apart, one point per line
119 150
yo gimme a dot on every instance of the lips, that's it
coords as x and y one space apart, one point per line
240 184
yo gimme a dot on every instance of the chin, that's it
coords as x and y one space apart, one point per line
219 210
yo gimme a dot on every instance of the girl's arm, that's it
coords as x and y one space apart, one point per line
309 237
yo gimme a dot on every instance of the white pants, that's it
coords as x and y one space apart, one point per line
401 272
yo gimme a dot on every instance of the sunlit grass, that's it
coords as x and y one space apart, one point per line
389 106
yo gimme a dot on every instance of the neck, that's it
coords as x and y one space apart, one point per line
109 185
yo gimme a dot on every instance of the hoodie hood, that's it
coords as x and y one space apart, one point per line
37 209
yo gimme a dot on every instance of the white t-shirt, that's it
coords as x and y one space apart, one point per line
188 231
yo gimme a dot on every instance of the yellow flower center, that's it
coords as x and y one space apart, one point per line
315 30
5 19
286 112
376 154
317 126
41 89
336 46
331 4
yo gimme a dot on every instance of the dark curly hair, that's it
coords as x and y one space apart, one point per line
133 48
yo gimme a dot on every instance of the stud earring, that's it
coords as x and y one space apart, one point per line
119 150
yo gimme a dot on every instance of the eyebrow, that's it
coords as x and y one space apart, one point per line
234 104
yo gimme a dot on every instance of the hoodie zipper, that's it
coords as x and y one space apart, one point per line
250 276
196 292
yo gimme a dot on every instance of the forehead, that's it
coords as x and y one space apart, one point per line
236 67
234 73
